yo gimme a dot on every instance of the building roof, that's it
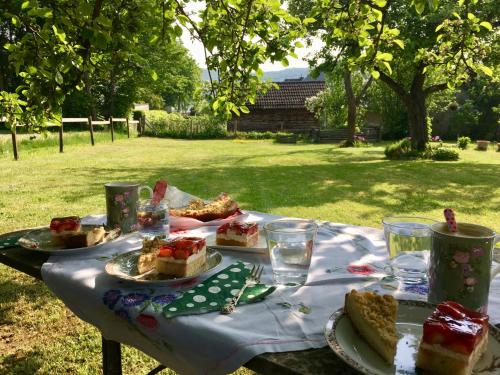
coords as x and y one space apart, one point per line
291 94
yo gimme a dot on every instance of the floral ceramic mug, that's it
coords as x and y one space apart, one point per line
121 204
460 266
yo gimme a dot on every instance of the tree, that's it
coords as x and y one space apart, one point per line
439 48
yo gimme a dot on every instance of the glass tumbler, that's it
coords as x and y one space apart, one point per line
408 240
290 243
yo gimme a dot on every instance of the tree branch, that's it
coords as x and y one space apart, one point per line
363 90
435 88
396 87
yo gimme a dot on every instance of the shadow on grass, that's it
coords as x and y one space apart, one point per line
27 363
394 186
11 292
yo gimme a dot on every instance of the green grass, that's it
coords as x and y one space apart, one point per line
356 186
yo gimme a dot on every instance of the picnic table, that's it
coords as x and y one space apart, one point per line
331 277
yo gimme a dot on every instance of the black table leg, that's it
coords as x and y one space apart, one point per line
111 357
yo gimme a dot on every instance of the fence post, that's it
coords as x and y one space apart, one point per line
112 130
91 127
14 141
128 129
61 144
142 123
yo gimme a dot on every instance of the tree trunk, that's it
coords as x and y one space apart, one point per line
417 121
351 108
414 102
88 91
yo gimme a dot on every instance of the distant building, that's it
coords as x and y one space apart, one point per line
141 107
281 109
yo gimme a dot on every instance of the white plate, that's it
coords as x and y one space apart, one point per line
124 266
261 247
351 348
40 240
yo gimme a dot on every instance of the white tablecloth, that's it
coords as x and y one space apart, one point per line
344 257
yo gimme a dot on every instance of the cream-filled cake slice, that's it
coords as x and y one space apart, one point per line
454 339
238 234
181 257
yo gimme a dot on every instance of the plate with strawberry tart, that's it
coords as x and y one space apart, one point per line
379 335
67 235
177 261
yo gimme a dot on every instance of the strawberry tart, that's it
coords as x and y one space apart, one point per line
238 234
61 227
179 257
67 232
453 341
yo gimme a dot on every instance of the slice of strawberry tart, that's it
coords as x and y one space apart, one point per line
238 234
453 341
181 257
62 227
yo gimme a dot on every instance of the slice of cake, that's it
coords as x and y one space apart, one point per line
374 317
83 238
181 257
149 253
453 341
64 226
238 234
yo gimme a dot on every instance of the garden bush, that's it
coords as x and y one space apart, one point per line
400 150
175 125
463 142
445 154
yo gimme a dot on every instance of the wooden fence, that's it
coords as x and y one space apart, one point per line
82 120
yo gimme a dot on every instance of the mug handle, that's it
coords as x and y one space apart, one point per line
145 187
496 257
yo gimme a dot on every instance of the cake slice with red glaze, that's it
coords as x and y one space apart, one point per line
238 234
62 227
181 257
453 341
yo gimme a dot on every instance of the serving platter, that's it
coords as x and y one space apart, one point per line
350 347
124 266
40 240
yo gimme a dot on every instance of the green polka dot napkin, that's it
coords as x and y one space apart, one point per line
216 291
10 241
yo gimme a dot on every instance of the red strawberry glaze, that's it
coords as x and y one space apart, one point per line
182 247
454 327
61 224
239 228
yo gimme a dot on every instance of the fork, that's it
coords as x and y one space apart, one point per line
252 279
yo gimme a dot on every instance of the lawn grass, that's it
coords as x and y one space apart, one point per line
357 186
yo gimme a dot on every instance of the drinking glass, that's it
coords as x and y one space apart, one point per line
290 243
153 219
408 241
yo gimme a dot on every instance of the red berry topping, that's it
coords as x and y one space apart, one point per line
239 228
181 254
166 251
455 327
62 224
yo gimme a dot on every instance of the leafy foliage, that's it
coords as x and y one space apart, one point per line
399 150
463 142
445 154
175 125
